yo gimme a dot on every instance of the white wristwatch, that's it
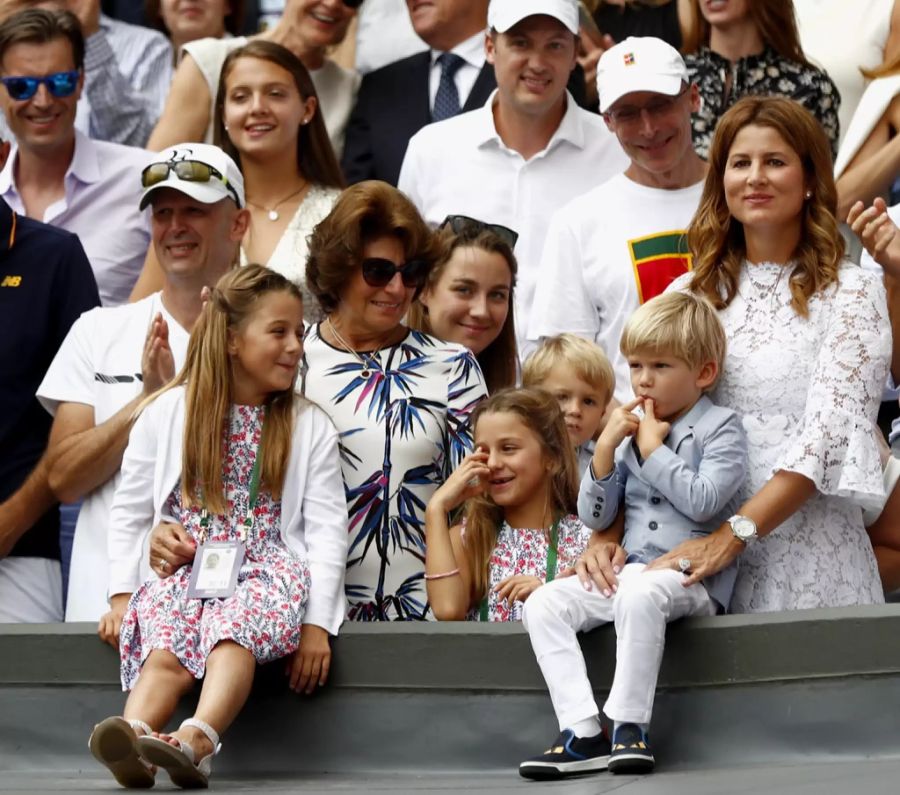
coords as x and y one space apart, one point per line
743 528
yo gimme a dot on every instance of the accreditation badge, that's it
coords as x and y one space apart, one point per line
215 571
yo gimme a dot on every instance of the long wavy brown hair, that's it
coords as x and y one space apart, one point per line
774 19
207 374
539 412
716 239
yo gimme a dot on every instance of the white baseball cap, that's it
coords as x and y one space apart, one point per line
214 177
639 64
504 14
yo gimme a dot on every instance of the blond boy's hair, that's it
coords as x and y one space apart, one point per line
586 358
683 325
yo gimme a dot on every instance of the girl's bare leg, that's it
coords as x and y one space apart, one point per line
226 686
162 683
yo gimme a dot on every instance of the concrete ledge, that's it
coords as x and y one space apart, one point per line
769 647
734 690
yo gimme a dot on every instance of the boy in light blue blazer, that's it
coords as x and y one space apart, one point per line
677 468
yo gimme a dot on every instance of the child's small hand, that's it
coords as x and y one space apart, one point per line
651 431
622 424
111 622
517 588
877 232
308 667
467 480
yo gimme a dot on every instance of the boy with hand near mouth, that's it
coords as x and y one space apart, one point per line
678 470
578 374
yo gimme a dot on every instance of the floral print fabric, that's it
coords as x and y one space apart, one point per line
403 429
524 551
264 613
766 74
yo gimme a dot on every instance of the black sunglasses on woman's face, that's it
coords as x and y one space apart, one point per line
378 272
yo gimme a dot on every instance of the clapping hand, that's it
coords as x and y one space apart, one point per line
878 234
157 361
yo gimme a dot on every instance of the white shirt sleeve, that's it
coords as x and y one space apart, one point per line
70 377
410 171
323 532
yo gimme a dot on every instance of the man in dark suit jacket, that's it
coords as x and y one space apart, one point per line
395 102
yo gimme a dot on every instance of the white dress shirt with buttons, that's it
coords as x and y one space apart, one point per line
461 166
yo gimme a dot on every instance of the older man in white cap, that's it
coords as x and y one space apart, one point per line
529 150
114 357
622 243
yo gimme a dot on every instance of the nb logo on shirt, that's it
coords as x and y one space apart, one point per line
11 281
117 379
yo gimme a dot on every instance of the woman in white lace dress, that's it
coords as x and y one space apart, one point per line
808 351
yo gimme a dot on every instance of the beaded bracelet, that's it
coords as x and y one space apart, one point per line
441 576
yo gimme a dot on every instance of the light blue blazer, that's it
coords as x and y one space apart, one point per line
686 488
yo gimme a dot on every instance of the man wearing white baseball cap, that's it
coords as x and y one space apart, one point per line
528 150
607 252
622 243
114 357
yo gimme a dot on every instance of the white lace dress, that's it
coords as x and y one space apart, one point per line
808 390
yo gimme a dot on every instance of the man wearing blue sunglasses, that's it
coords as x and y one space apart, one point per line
56 174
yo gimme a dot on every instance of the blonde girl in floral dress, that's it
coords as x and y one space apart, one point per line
262 500
519 528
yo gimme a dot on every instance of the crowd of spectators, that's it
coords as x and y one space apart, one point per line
268 292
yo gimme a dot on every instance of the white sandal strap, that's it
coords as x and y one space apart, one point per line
139 724
208 730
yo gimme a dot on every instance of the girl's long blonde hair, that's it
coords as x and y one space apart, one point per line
207 374
716 239
539 411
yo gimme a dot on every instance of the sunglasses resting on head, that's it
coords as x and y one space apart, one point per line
59 84
187 170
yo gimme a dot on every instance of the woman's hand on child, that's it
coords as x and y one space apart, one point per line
651 432
878 234
467 480
308 667
517 588
599 566
171 547
111 622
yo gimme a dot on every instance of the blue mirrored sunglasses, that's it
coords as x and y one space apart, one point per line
60 84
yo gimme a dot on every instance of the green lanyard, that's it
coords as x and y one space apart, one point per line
247 524
552 552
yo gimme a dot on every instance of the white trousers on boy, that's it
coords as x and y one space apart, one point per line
641 606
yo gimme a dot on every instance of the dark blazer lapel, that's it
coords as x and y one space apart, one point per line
485 83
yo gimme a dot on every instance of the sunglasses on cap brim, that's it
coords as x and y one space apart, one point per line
470 227
378 272
59 84
187 171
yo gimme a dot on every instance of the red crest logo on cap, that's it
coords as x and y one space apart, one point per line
629 59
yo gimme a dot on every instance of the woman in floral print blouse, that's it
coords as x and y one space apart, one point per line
740 48
400 398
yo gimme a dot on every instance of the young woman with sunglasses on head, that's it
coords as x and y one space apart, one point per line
468 297
739 48
307 28
400 398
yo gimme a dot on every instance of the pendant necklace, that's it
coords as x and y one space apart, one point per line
367 361
272 213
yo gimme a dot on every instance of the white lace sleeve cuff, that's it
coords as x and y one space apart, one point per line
839 454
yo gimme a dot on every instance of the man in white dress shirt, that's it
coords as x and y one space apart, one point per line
622 243
114 357
56 174
528 151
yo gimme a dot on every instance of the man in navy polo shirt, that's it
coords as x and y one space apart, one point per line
46 282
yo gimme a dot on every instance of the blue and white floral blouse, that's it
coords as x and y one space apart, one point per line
402 430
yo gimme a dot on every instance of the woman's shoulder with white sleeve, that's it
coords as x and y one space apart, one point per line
855 281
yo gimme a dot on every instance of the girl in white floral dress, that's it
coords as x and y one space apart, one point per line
263 501
518 529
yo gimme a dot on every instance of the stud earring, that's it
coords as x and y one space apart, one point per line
809 194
